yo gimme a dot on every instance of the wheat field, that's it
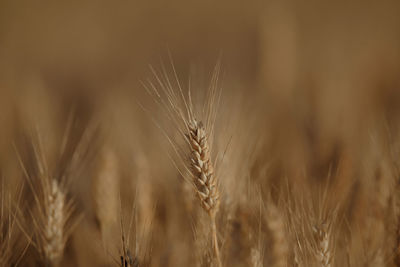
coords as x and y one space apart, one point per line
200 133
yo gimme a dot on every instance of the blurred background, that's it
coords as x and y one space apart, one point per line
321 72
330 63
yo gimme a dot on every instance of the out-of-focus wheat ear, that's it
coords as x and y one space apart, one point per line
396 211
144 196
323 252
397 226
204 180
54 240
296 258
378 259
256 259
5 223
276 225
105 192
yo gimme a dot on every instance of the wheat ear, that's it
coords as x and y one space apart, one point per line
323 252
54 228
277 227
255 258
204 178
105 192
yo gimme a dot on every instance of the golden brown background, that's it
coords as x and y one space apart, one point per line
312 85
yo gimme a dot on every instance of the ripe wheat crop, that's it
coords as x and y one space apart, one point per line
266 134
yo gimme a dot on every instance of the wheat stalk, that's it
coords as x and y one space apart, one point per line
54 228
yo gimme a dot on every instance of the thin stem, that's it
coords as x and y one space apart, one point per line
215 239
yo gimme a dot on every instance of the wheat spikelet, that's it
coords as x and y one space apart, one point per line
323 251
54 228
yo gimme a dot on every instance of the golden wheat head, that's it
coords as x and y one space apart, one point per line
202 169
